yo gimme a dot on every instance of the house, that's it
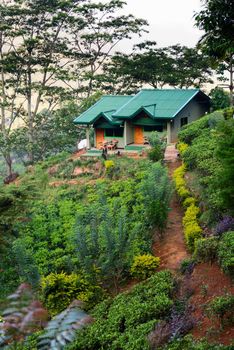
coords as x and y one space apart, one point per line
130 119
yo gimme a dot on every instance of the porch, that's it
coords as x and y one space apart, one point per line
129 150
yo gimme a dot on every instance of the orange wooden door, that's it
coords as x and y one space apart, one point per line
99 136
138 135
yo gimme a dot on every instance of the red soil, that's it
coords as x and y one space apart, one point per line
171 248
207 282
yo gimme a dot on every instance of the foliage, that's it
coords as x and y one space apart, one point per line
155 154
215 19
206 249
59 290
61 330
189 201
144 266
222 307
225 155
158 147
188 343
226 253
219 99
193 130
176 65
226 224
209 156
23 316
192 230
125 321
180 182
114 225
182 147
187 266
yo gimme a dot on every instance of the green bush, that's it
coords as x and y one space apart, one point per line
155 154
192 230
144 266
124 322
206 249
223 308
187 265
59 290
226 253
188 343
194 129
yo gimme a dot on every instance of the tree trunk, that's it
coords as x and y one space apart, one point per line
30 116
231 82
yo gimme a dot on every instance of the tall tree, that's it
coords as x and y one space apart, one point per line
104 29
177 66
50 51
217 20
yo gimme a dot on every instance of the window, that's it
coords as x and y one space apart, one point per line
150 128
183 121
118 132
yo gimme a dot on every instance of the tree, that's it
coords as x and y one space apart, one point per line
219 98
50 52
216 19
177 66
104 29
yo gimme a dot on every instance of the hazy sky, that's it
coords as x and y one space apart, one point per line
170 21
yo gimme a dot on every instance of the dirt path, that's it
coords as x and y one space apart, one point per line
171 249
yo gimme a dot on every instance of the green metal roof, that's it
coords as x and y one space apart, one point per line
165 103
104 107
156 103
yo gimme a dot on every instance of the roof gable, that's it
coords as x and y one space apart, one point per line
166 103
105 107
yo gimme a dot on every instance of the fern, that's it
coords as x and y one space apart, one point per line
23 316
61 330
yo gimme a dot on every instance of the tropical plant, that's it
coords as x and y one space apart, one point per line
62 329
23 316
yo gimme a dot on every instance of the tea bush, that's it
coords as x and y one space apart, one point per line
124 322
226 253
223 308
59 290
144 266
206 249
188 343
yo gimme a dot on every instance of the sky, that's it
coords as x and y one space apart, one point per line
170 21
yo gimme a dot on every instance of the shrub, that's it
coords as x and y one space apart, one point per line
188 343
155 154
206 249
191 215
226 253
59 290
192 230
189 201
180 182
182 147
187 266
223 308
124 322
194 129
109 164
144 266
226 224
